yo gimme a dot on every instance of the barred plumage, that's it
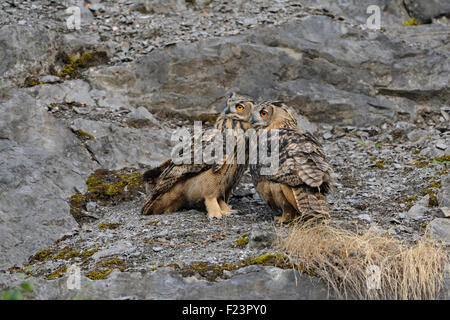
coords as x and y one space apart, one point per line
173 186
299 184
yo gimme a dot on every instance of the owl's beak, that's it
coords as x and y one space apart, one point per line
227 110
251 120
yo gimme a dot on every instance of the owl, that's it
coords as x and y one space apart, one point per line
174 186
298 186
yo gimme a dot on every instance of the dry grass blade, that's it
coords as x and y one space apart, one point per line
350 262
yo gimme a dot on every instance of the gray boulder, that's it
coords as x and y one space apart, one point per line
254 283
116 147
326 69
444 193
440 229
393 12
160 6
34 51
260 239
426 10
42 163
419 209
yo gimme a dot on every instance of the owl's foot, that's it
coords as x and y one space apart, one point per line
284 218
213 208
225 208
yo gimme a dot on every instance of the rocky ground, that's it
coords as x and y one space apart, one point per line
85 112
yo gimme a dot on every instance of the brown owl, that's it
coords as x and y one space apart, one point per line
297 187
174 186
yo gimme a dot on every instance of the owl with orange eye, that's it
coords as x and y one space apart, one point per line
175 186
297 188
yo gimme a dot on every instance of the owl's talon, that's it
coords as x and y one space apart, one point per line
228 213
226 209
213 208
282 219
214 216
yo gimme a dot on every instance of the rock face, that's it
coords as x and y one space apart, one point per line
116 147
42 164
393 13
19 49
444 194
254 283
29 51
330 71
425 10
107 97
440 230
160 6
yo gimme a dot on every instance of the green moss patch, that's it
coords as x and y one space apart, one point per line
31 82
106 187
422 162
277 260
432 190
112 263
113 185
242 241
412 22
67 254
84 135
89 252
42 255
113 225
73 65
379 164
99 274
77 203
212 271
408 199
58 273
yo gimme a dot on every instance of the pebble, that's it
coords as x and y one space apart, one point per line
440 229
97 7
365 217
416 212
327 136
260 239
445 211
91 206
141 113
80 110
441 145
50 79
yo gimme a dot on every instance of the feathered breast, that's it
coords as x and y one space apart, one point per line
301 161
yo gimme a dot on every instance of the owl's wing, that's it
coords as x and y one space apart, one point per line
173 173
153 174
301 160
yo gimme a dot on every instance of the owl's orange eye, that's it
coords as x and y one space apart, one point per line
240 107
263 113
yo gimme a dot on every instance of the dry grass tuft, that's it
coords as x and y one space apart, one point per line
346 260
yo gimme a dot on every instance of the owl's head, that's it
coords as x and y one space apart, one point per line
272 115
239 107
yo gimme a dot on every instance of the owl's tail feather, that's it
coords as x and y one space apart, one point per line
147 208
310 202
